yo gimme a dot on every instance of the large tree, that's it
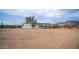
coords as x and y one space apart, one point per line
31 20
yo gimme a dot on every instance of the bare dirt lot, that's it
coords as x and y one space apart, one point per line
39 38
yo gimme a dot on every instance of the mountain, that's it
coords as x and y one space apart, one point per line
69 23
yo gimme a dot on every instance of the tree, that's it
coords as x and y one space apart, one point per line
31 20
34 23
1 24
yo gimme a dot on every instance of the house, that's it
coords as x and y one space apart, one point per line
26 25
38 25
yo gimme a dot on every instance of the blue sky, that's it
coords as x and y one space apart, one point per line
17 16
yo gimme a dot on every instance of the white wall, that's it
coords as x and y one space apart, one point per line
27 26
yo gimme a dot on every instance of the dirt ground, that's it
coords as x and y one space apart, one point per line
39 38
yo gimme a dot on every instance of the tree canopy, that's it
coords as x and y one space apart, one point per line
31 20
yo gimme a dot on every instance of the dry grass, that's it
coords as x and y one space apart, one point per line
39 38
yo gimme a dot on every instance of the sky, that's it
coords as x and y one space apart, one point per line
17 16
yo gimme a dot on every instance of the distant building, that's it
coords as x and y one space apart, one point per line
38 25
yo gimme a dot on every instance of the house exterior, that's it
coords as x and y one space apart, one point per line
38 25
26 26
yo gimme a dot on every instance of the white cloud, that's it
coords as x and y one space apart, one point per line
50 14
24 12
55 13
45 13
76 14
15 12
38 11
